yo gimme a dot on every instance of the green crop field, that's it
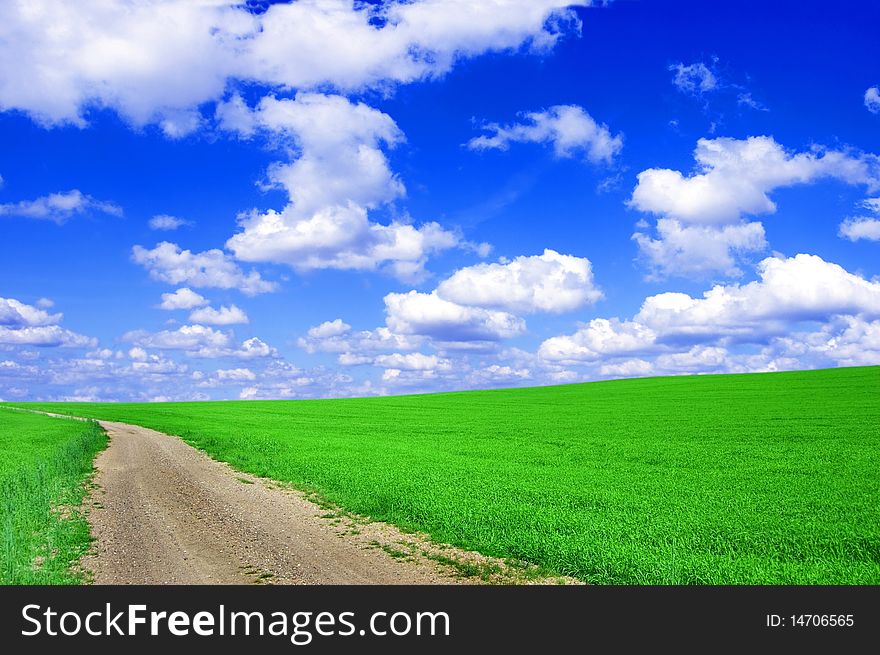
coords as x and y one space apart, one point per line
729 479
44 463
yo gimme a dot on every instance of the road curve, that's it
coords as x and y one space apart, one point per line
165 513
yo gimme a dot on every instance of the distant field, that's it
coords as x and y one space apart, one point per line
731 479
43 464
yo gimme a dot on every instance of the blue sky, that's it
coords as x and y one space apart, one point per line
211 200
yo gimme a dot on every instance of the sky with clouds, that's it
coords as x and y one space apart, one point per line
213 199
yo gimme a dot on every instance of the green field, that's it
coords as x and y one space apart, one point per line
728 479
44 463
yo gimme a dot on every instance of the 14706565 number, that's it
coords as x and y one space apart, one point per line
822 620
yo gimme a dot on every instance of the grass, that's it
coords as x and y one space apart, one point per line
729 479
44 465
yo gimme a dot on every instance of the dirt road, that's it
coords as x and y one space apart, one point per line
164 512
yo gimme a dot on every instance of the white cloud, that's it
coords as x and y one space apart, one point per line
352 359
863 227
253 348
701 228
158 61
186 337
337 175
550 282
26 325
337 337
693 78
696 359
872 99
426 314
59 207
846 341
231 315
183 298
496 373
332 136
236 374
211 268
569 128
735 176
334 328
167 222
45 336
860 228
804 288
599 338
800 288
138 354
698 251
630 368
340 237
45 303
18 314
747 100
472 309
412 362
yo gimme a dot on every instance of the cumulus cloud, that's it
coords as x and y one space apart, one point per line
698 251
231 315
183 298
568 128
735 176
498 373
14 313
550 282
412 362
331 135
236 374
340 237
59 207
429 315
860 228
159 61
166 222
803 288
338 173
26 325
701 229
138 354
186 337
800 288
45 336
167 262
863 227
872 100
253 348
337 337
471 311
693 78
845 341
599 338
630 368
329 329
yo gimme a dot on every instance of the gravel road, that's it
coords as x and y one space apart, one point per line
165 513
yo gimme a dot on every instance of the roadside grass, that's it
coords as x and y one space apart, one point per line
724 479
45 464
